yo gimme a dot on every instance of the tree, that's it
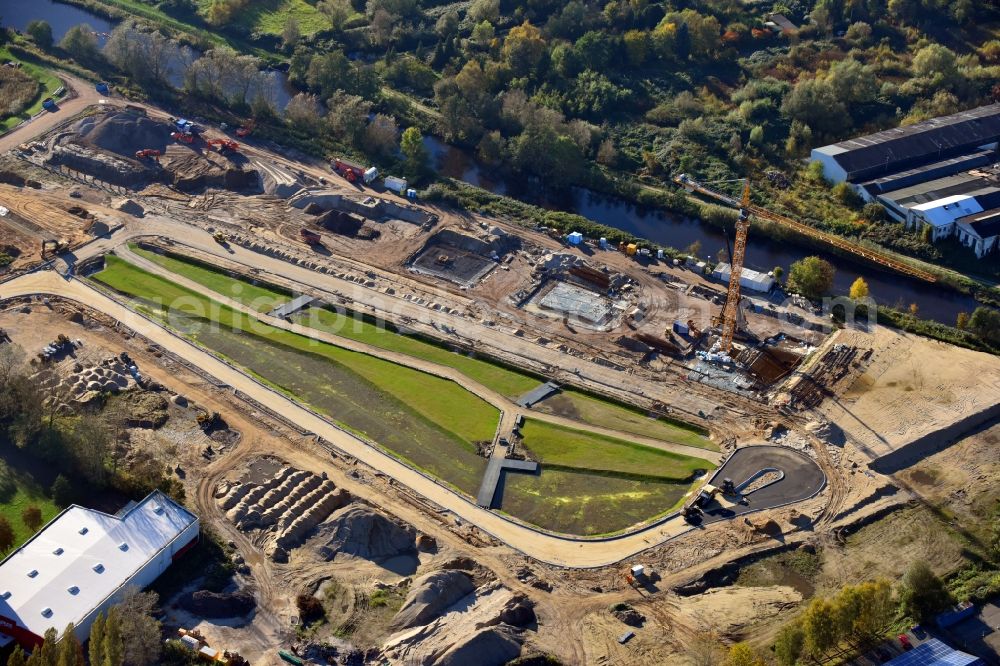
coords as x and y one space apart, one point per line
866 610
859 289
6 535
138 621
812 277
985 322
411 144
381 133
81 43
40 33
62 491
97 641
524 48
338 11
741 654
757 136
32 517
637 47
70 652
347 115
922 593
962 320
814 103
938 64
17 657
789 643
779 273
485 10
819 627
290 33
113 645
303 112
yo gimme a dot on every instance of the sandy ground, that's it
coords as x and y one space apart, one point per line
911 387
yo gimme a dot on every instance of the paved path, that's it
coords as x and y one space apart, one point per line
499 465
537 394
291 307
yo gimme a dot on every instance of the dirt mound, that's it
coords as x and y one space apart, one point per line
11 178
144 409
219 604
123 133
431 596
129 206
363 532
494 646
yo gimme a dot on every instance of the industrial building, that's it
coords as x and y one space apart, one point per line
980 231
930 174
914 153
933 652
82 562
749 279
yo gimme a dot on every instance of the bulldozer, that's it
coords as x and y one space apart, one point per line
52 247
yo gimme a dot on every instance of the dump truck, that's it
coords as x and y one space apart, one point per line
310 237
146 152
224 145
103 88
354 172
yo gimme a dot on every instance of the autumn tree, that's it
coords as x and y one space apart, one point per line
40 33
789 644
32 517
381 133
741 654
81 43
6 535
820 628
17 657
113 644
137 613
69 651
524 48
985 322
304 112
96 645
812 277
859 289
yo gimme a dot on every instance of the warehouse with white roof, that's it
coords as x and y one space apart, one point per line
82 562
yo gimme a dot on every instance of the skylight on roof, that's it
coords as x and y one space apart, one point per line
73 590
123 546
83 530
6 595
58 551
46 612
32 573
99 568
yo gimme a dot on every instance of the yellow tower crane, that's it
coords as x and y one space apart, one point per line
730 311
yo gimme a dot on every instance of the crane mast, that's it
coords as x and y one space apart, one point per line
730 311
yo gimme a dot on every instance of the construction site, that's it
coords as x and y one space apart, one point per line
489 439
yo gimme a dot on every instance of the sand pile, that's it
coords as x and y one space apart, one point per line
123 133
363 532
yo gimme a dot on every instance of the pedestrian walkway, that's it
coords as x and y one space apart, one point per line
499 464
537 394
291 307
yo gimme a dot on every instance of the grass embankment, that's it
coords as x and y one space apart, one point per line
22 99
561 447
18 491
605 414
349 325
459 417
260 298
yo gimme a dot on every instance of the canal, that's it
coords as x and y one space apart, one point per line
763 253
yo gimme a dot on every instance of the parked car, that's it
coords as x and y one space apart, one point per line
904 642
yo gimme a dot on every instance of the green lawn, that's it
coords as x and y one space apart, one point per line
269 16
438 400
499 378
50 83
257 297
26 493
580 406
569 448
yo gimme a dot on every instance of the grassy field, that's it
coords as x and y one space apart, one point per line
499 378
585 503
269 16
47 85
257 297
17 492
566 447
431 421
580 406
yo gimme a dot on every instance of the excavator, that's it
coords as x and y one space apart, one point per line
224 145
246 129
147 152
182 137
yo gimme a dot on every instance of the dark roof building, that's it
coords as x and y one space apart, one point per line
906 148
934 653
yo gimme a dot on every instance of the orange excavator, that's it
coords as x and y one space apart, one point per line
147 152
224 145
182 137
246 129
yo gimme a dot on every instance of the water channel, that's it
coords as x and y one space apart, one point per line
677 231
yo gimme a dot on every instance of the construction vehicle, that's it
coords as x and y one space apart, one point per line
147 152
354 172
52 247
182 137
873 256
246 129
290 658
49 104
102 88
224 145
220 238
730 311
310 237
